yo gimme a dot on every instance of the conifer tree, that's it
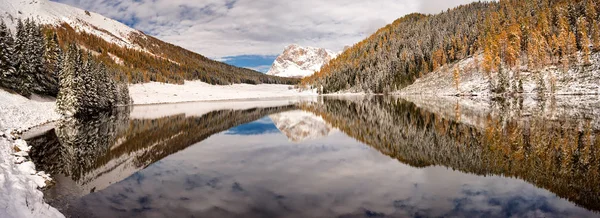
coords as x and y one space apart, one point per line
596 35
21 64
52 60
503 85
7 71
67 100
541 86
456 77
582 27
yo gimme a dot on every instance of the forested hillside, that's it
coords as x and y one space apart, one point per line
160 61
509 35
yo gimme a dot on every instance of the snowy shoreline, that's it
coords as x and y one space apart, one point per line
196 91
20 182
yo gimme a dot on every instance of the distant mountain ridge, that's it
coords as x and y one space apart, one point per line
300 61
136 57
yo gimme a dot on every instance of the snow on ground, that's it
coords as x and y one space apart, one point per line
198 109
18 112
154 92
578 80
19 182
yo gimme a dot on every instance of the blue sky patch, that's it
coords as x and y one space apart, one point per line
260 63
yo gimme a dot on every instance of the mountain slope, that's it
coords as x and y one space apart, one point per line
511 35
298 61
52 13
133 55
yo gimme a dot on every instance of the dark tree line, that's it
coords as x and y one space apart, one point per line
28 62
33 62
86 86
507 34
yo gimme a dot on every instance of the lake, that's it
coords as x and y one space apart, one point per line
328 157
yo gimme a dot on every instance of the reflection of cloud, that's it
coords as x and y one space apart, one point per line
266 176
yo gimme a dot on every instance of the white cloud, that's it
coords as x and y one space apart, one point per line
218 28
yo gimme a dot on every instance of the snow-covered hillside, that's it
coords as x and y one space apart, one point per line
298 61
53 13
578 80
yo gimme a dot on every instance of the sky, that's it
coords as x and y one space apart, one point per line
251 33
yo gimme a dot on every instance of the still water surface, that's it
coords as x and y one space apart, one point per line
360 157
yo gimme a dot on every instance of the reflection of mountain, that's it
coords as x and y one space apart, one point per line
300 125
560 156
97 153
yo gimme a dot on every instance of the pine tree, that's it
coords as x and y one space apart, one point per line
52 60
67 100
541 86
456 78
596 36
502 81
43 82
571 50
7 71
520 86
21 64
585 41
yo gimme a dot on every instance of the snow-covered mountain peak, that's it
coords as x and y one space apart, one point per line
299 61
54 13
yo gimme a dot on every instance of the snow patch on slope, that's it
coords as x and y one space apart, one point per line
298 61
578 80
53 13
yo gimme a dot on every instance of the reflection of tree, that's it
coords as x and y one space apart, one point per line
561 156
82 149
72 146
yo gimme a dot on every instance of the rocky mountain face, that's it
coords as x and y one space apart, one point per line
301 126
299 61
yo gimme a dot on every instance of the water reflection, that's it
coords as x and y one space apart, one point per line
92 154
556 154
290 160
301 125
